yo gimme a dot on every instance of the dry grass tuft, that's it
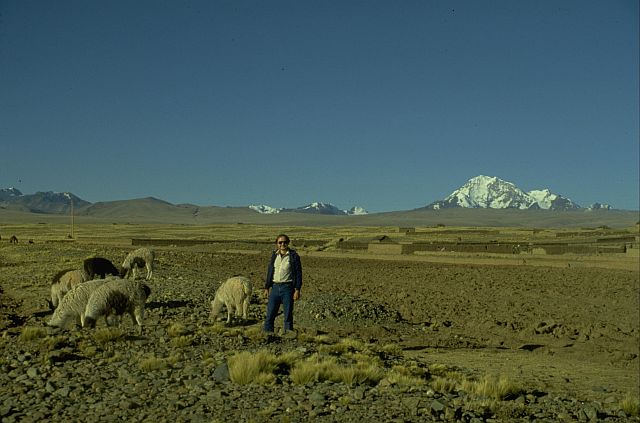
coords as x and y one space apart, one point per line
392 349
323 339
630 405
214 329
182 341
32 333
155 363
313 369
367 374
109 334
319 369
345 345
246 367
498 388
444 384
438 369
406 376
177 329
254 333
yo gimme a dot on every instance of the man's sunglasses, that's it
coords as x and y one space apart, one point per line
283 242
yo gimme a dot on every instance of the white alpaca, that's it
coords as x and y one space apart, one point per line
63 282
117 296
142 257
235 294
72 305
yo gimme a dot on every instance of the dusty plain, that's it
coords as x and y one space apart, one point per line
559 326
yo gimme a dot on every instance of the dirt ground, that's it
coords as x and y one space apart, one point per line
557 328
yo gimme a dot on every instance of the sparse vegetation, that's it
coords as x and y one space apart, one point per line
31 333
246 367
152 363
350 356
498 388
177 329
182 341
630 405
109 334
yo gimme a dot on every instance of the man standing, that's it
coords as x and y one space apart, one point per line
282 285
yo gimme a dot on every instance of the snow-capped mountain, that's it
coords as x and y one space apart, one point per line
9 193
546 200
357 211
264 209
42 202
494 193
313 208
319 208
599 206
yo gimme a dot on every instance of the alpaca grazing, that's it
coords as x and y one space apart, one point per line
72 305
138 259
63 282
235 295
98 266
116 297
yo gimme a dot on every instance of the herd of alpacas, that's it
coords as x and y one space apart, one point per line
100 289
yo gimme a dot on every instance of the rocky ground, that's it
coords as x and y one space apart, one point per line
566 338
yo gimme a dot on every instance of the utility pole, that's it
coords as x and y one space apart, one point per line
66 194
72 236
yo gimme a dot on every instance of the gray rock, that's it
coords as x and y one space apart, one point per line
221 373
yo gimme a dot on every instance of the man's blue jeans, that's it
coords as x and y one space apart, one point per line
281 293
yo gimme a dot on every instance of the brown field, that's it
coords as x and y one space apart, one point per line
561 323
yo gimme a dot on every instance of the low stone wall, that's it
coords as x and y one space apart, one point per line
387 248
494 248
187 242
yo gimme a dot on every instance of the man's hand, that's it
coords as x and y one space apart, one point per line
296 294
266 292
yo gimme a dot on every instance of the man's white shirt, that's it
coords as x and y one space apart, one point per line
282 269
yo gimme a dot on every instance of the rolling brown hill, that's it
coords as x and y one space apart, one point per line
153 210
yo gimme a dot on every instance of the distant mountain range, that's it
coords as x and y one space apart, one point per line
484 192
40 202
314 208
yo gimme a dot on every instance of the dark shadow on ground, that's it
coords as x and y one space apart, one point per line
168 304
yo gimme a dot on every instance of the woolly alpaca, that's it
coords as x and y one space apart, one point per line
235 294
72 305
117 296
142 257
63 282
98 266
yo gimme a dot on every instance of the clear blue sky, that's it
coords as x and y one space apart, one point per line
387 105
